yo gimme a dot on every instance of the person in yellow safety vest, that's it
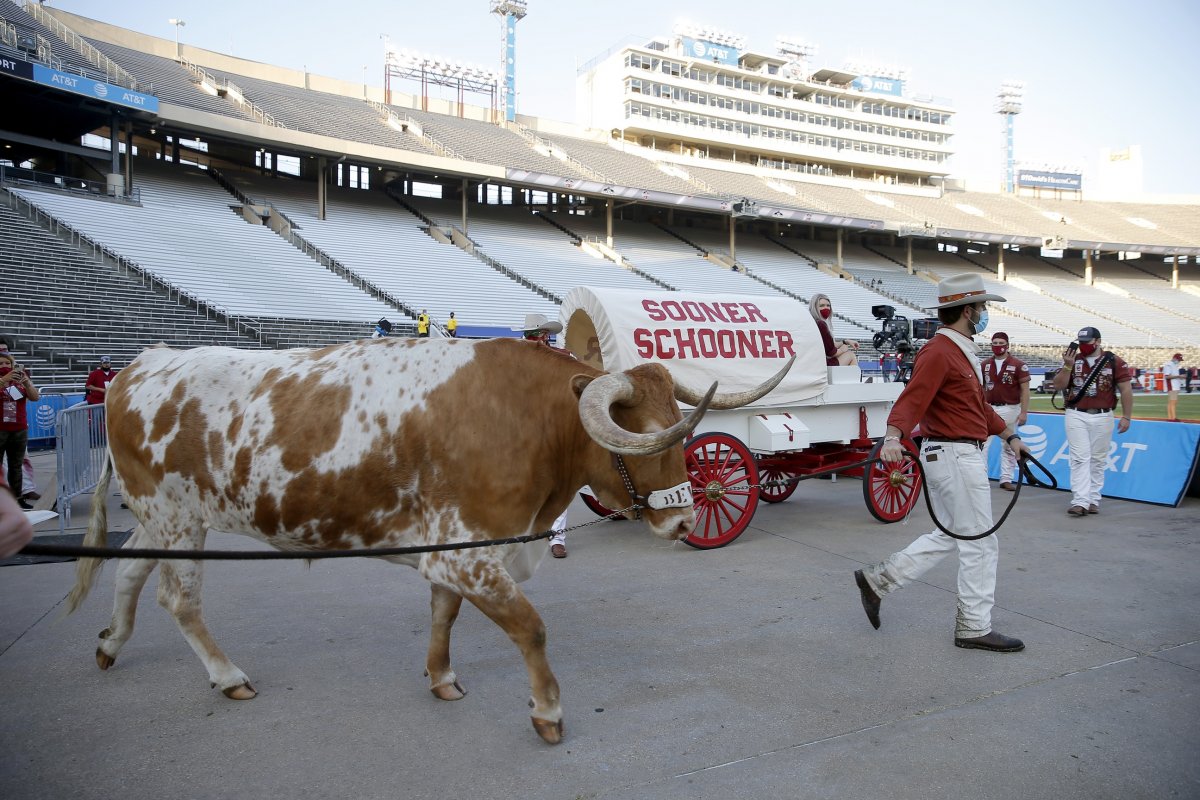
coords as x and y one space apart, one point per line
452 326
423 323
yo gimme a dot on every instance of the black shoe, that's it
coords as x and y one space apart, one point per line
870 600
996 642
25 504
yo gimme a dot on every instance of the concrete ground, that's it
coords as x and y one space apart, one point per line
744 672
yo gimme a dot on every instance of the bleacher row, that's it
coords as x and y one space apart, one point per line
187 232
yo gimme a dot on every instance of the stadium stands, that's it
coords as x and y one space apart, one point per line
541 252
204 249
70 305
168 80
379 240
482 141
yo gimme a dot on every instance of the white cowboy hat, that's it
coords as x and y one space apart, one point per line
538 322
962 290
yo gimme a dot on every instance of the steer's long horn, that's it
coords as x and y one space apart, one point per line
725 400
596 402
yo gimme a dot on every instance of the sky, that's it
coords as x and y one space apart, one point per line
1098 74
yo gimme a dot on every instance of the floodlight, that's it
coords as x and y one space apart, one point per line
795 48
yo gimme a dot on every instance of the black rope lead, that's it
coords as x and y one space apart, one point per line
80 551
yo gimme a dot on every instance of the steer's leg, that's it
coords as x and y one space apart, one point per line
179 588
444 603
488 585
131 577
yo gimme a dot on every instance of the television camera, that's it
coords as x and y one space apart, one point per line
898 340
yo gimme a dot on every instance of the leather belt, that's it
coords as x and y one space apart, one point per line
975 442
1091 410
1000 405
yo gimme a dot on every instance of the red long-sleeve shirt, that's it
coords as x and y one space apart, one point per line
945 396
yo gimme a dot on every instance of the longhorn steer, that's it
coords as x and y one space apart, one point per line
379 443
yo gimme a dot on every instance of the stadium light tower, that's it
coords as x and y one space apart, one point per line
178 23
511 12
1008 104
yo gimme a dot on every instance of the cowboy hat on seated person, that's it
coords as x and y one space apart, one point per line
962 290
539 322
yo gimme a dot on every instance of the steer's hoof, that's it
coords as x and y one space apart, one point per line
551 732
103 659
243 691
449 691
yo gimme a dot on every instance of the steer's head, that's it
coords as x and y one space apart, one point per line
634 415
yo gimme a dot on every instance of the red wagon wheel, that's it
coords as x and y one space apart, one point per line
891 491
598 508
724 478
767 473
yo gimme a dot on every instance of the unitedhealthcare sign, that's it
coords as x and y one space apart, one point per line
1152 462
97 90
1038 179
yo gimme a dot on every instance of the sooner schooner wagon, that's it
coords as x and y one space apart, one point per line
817 419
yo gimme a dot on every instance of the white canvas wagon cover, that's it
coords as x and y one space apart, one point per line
735 339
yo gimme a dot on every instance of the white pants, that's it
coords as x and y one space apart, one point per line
1088 437
962 500
559 526
1008 459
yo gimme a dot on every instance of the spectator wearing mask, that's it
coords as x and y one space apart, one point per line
16 389
844 353
1006 387
1091 380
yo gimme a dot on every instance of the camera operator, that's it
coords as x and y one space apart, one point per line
945 396
845 353
15 389
1006 384
1095 378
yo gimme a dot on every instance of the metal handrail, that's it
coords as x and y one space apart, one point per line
85 48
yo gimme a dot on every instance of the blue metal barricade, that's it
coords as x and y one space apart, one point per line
81 448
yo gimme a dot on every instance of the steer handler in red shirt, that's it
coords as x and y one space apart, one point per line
946 396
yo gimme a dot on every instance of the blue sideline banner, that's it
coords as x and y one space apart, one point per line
1152 462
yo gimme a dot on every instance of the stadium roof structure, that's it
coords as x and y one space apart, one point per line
835 76
235 103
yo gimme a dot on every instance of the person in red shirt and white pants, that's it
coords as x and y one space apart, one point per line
945 395
1006 386
1088 419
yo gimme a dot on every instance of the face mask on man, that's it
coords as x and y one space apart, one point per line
1087 348
999 350
980 324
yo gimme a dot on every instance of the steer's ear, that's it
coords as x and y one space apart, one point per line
579 383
